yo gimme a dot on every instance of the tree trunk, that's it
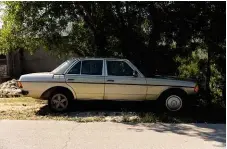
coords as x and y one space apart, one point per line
155 34
208 76
224 91
101 43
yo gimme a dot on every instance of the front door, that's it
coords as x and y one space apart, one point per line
87 79
120 83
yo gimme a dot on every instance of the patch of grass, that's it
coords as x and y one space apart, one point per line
125 117
21 100
33 109
113 120
148 118
89 119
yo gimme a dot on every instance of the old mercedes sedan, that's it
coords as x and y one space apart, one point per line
104 79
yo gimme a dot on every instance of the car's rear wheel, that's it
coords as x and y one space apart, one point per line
59 102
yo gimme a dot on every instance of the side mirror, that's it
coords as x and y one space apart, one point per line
135 73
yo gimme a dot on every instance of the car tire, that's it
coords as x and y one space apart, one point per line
172 101
59 101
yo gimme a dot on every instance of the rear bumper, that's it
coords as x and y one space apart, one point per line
193 99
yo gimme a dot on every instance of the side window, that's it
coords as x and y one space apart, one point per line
119 68
92 67
75 69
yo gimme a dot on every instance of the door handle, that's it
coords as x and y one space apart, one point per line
110 80
70 79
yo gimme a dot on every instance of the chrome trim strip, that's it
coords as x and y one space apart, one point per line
106 83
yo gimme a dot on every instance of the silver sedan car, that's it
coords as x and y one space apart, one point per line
104 79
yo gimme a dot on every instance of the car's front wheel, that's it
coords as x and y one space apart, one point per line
58 102
172 101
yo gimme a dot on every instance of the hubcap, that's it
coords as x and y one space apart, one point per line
59 102
173 103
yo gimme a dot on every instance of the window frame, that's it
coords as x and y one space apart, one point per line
81 60
106 67
73 66
91 60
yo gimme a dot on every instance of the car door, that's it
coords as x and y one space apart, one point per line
120 84
87 79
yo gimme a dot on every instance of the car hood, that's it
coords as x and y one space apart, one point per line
168 81
41 76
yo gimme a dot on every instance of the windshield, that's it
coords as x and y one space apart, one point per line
63 67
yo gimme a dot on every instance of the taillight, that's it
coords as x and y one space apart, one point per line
196 88
19 84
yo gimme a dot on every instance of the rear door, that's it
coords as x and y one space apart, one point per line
120 83
87 79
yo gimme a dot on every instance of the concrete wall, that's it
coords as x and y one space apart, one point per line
13 64
23 62
40 61
3 66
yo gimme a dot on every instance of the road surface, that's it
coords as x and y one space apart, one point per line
17 134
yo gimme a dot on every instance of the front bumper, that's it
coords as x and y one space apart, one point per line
24 92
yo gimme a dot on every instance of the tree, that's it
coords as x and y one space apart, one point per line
150 34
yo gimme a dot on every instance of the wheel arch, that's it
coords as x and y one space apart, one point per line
172 90
45 95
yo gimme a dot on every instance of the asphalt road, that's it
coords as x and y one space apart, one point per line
71 135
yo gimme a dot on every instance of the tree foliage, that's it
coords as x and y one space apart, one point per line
150 34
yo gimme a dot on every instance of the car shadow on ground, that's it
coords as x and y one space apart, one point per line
95 107
193 114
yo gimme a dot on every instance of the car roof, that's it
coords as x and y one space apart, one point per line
96 58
